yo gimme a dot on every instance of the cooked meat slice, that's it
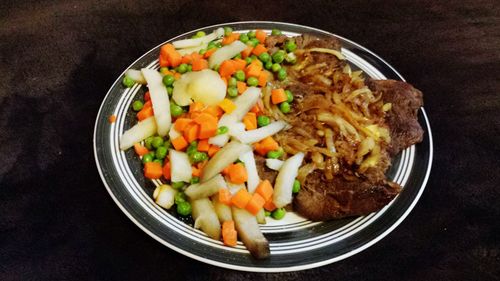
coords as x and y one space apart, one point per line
275 41
308 41
323 200
402 118
264 172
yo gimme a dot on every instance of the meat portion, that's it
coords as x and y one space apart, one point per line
320 199
402 118
264 172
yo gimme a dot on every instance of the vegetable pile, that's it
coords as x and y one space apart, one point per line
201 125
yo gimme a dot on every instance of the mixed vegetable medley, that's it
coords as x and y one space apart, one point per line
201 125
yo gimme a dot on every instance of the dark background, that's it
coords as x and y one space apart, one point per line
58 59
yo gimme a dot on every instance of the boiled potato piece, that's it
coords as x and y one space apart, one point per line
249 232
205 218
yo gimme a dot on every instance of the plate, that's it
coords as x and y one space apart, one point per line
295 242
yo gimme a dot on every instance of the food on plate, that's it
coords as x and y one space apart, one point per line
242 126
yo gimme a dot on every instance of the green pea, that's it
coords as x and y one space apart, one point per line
189 68
148 141
276 67
128 82
161 152
175 110
244 38
200 34
147 158
211 45
267 213
263 120
184 208
168 80
227 31
276 32
254 42
180 197
275 154
198 157
192 148
268 65
251 34
285 107
157 142
152 153
216 67
163 69
239 75
232 82
238 56
218 44
232 92
278 213
195 180
170 90
248 60
289 96
281 74
178 184
159 161
182 68
202 51
137 105
264 57
296 186
279 56
222 130
290 46
252 81
167 144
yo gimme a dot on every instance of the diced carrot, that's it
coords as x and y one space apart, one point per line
247 52
269 205
253 70
209 52
177 75
165 71
227 105
260 35
278 96
263 78
168 53
140 150
241 198
259 49
199 64
112 119
230 38
259 149
203 145
239 64
163 61
224 196
153 170
191 132
148 103
250 121
195 172
208 125
229 234
147 96
265 190
237 173
202 164
145 113
226 68
179 143
212 150
181 124
225 171
194 114
196 56
214 110
242 87
187 59
166 171
196 106
269 144
255 204
255 109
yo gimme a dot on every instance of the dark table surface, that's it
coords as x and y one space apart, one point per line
58 59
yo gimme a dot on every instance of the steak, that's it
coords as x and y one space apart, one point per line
320 199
